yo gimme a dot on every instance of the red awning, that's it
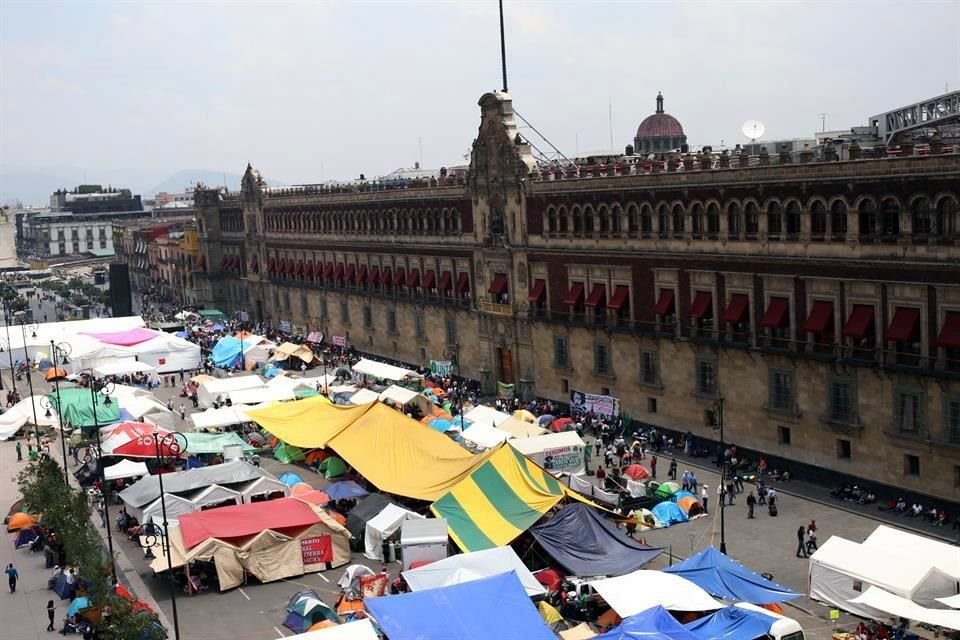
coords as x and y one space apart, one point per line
499 284
386 278
619 298
413 278
271 265
224 262
338 274
445 282
235 262
949 337
351 273
328 271
255 265
820 319
245 520
905 326
776 315
429 279
282 266
574 297
291 266
299 269
598 296
736 311
463 282
363 274
665 304
860 322
202 262
308 269
318 269
539 292
374 278
702 306
398 278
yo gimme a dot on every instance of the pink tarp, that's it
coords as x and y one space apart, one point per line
240 521
125 338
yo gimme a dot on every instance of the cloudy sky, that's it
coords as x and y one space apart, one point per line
320 90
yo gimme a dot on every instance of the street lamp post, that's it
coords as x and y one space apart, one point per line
5 346
453 353
26 356
105 388
717 409
58 355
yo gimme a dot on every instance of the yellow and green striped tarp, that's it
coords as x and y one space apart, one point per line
498 501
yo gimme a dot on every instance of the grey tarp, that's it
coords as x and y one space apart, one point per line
586 544
365 510
148 489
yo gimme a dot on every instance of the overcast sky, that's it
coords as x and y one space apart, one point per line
310 91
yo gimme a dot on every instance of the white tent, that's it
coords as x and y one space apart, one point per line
941 555
176 507
164 352
124 366
382 526
218 418
208 390
364 396
638 591
261 394
213 496
466 567
383 371
125 469
70 332
841 570
354 630
141 406
556 452
399 395
263 488
896 606
518 428
489 416
953 601
22 414
483 435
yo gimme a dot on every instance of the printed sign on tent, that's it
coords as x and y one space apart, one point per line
441 367
316 550
562 457
285 325
340 341
505 391
581 402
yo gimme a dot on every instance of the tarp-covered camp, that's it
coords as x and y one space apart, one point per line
381 527
496 607
722 577
630 594
209 390
503 497
732 623
584 543
474 565
556 452
241 521
76 407
147 489
890 605
365 510
198 443
309 423
654 623
943 556
295 354
383 371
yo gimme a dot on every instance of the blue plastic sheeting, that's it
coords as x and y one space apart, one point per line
585 543
226 353
496 607
80 602
732 623
181 334
289 478
652 624
669 513
722 577
345 490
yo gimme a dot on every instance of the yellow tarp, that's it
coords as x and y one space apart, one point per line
402 456
309 423
549 614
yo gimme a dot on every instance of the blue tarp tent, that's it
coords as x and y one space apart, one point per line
496 607
586 544
669 513
683 494
63 588
722 577
732 623
653 624
345 490
226 353
80 602
289 478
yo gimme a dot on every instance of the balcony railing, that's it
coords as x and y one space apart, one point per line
496 308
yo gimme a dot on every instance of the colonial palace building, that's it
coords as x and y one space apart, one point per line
820 300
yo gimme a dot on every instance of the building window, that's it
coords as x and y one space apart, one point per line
841 406
706 377
844 451
391 321
783 435
908 411
323 309
601 358
651 405
560 354
781 390
911 465
344 313
451 330
951 420
367 317
303 305
418 323
649 371
956 476
564 385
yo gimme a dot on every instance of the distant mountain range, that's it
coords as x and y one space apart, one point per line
33 185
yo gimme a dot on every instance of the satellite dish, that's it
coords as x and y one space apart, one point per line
753 129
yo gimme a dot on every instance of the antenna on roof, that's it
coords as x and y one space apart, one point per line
610 118
503 50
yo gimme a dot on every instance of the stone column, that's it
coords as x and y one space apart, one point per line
805 220
853 221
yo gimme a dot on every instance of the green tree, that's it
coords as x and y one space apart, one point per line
75 284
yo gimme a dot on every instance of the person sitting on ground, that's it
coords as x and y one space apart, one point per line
941 518
901 506
868 497
915 511
931 515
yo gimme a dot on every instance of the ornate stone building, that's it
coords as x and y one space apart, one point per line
820 301
659 132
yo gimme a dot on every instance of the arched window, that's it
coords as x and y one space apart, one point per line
603 216
663 221
890 217
563 221
793 218
551 220
616 222
774 219
697 223
457 228
713 219
867 218
577 221
838 219
947 222
818 219
752 220
679 222
588 215
922 216
734 220
633 220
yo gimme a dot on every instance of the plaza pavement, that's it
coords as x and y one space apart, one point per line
256 611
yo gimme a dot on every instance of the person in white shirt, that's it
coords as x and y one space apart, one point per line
704 497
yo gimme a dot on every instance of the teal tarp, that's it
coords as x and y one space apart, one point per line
78 407
213 442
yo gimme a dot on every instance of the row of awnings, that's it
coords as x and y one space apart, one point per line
374 275
231 262
576 296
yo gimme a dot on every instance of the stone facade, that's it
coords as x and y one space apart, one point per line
820 301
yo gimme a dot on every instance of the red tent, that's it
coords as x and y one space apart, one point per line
560 424
144 446
286 515
637 472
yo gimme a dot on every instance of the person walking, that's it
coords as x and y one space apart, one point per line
751 503
704 497
801 542
692 481
51 614
653 466
183 412
12 577
731 492
673 469
19 453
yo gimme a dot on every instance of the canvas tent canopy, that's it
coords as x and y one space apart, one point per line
125 469
77 407
21 414
841 570
175 505
263 489
383 371
486 415
943 556
122 367
291 352
147 489
630 594
198 443
209 390
556 452
260 395
364 396
466 567
584 543
732 623
496 607
398 395
381 527
654 623
218 418
484 436
893 605
213 496
364 511
517 428
719 575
